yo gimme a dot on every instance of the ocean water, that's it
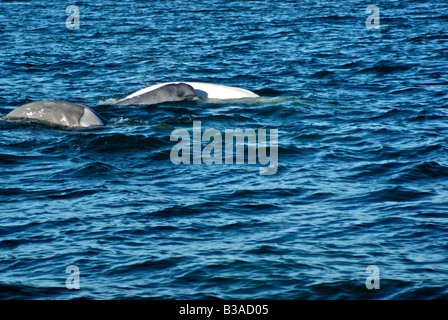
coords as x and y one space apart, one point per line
362 177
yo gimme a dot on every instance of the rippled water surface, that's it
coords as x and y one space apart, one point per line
363 151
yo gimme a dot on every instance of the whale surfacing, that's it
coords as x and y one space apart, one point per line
180 91
61 113
170 92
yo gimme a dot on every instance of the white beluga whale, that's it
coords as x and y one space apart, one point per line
61 113
180 91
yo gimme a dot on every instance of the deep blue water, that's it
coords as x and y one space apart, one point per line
363 151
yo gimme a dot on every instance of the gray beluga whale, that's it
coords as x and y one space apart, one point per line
162 92
61 113
170 92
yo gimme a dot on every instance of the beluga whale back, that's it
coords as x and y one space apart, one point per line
180 91
170 92
61 113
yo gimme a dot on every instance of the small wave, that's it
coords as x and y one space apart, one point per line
107 102
150 265
93 169
22 291
423 171
387 67
120 142
397 194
